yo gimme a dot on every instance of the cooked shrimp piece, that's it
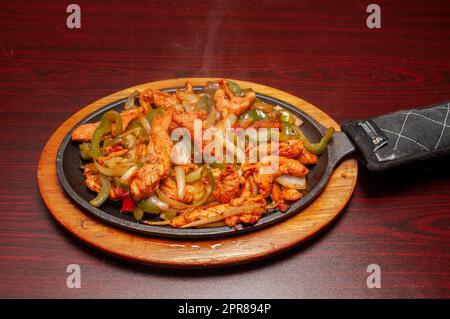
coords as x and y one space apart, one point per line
186 119
145 100
224 85
251 217
307 158
188 86
290 194
246 187
84 132
289 148
265 173
236 206
157 167
246 218
277 196
232 220
158 98
227 185
266 124
234 104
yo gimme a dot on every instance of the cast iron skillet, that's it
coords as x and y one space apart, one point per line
71 178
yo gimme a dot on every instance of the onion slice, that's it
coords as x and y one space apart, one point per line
290 181
128 174
179 205
171 202
253 185
116 170
188 97
157 223
158 203
130 101
145 124
181 182
194 175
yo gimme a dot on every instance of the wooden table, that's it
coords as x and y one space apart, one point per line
321 51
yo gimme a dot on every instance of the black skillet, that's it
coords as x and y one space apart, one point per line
71 178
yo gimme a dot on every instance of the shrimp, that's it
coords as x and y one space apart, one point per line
284 194
188 86
237 206
246 188
289 148
186 119
234 104
277 196
290 194
266 124
158 98
289 166
227 185
84 132
307 158
157 166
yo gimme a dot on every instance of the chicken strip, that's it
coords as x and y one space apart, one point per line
227 185
157 166
237 206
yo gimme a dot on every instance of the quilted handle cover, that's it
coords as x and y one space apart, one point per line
403 137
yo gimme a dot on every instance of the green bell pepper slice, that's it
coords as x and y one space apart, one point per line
103 129
147 207
315 148
102 196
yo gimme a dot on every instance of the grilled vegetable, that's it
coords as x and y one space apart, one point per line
103 129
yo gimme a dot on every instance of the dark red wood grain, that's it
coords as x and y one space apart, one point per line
321 51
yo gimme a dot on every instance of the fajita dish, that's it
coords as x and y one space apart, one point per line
210 157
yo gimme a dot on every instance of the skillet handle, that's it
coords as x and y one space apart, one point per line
341 146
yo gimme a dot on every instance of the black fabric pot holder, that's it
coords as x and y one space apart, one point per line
403 137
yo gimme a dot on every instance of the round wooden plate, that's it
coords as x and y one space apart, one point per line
194 253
